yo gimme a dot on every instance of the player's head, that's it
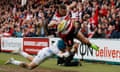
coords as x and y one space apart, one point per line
62 10
61 45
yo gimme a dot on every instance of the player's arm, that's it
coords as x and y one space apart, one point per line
69 50
63 54
75 47
53 22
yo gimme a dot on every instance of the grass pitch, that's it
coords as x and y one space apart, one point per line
50 66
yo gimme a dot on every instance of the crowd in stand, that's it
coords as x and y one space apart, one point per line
96 18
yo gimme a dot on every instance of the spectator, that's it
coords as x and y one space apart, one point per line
18 32
104 12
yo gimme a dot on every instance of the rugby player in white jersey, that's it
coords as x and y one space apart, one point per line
57 48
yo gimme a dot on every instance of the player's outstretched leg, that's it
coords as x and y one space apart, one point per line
30 65
84 40
39 58
24 54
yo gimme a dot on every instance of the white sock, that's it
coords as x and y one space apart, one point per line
16 62
24 54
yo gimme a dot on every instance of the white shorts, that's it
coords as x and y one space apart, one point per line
42 55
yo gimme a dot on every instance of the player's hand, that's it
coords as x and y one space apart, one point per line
65 54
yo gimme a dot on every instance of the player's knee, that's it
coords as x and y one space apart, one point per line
31 66
23 65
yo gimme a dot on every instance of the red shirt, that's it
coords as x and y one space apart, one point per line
69 34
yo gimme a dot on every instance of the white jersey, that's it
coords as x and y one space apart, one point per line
46 53
54 48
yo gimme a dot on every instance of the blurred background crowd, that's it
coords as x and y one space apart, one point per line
95 18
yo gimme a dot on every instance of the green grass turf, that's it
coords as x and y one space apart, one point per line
51 64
